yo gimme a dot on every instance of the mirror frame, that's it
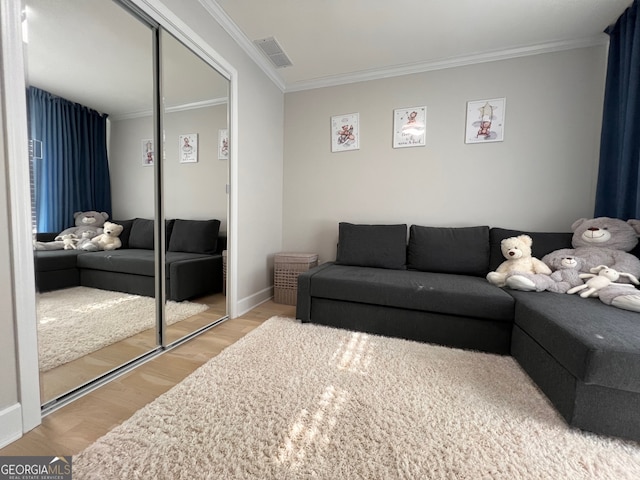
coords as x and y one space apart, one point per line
13 102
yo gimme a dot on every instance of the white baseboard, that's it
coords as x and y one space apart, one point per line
10 424
249 303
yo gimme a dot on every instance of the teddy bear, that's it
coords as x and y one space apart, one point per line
566 274
87 225
107 240
70 240
596 241
517 251
601 277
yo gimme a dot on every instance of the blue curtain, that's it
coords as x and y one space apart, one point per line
618 191
73 173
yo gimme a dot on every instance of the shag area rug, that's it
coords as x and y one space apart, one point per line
76 321
300 401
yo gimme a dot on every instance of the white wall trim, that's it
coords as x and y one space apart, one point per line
249 303
409 69
10 424
176 108
20 200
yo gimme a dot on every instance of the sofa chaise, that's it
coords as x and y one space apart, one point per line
584 355
193 261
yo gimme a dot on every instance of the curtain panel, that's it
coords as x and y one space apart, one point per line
618 189
73 173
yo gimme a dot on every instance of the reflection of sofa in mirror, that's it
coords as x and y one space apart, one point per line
193 261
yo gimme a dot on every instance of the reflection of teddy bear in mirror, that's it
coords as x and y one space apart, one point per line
87 225
108 240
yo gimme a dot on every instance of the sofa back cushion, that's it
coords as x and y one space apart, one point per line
543 243
463 250
381 246
142 234
194 236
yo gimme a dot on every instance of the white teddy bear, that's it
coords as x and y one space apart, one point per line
108 240
517 251
601 277
70 241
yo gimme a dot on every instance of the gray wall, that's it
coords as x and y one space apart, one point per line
541 177
193 191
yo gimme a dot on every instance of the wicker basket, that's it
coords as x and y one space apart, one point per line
287 268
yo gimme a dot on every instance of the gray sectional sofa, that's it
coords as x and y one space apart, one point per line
583 354
193 261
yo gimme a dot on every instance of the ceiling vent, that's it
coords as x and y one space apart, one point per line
273 51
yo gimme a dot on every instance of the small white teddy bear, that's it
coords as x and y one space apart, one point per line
601 277
70 241
517 251
108 240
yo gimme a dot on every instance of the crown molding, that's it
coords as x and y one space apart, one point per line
176 108
243 41
408 69
365 75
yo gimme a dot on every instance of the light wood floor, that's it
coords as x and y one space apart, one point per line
72 428
70 375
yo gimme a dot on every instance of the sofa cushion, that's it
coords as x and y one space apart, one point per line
543 243
130 260
52 260
142 234
461 295
597 343
449 250
194 236
383 246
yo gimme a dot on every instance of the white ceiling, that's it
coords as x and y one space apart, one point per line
337 41
95 53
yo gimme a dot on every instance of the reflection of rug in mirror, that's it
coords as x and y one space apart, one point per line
76 321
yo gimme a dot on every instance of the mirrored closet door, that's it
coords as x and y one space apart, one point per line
195 175
124 121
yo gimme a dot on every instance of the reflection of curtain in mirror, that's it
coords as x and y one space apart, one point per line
73 173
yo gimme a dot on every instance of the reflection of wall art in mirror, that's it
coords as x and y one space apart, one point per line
409 127
485 121
223 144
188 148
345 132
148 154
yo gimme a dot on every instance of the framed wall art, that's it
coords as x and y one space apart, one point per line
223 144
188 148
148 153
409 127
345 132
485 121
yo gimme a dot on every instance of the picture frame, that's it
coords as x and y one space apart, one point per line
223 144
485 120
345 132
409 127
148 152
188 148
